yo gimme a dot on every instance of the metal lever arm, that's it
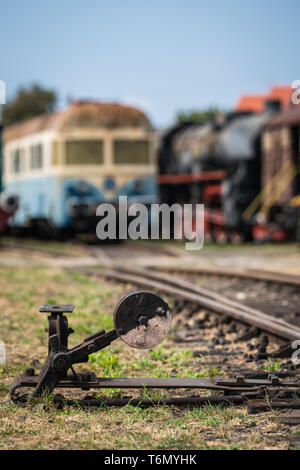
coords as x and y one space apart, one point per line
58 363
80 353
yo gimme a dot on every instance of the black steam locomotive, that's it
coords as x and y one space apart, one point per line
217 163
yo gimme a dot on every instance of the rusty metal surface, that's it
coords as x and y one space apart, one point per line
142 320
290 116
278 152
90 381
145 403
136 310
56 308
291 417
259 406
244 273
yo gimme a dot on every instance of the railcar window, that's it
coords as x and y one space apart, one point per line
36 156
55 153
17 161
84 152
131 151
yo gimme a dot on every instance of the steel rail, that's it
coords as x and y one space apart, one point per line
283 332
244 273
149 273
149 402
203 291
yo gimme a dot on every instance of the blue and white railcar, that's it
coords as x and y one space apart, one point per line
62 165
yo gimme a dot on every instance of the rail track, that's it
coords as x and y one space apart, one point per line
181 289
241 273
157 278
279 390
203 315
105 253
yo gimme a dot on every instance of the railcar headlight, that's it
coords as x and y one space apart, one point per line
9 202
109 184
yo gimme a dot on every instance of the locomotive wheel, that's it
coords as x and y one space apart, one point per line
220 236
237 238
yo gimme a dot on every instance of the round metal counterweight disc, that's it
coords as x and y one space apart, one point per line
142 320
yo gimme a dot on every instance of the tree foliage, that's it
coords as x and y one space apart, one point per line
29 102
198 115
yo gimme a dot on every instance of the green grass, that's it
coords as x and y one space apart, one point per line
272 366
107 362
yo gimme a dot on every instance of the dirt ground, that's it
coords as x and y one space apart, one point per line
29 279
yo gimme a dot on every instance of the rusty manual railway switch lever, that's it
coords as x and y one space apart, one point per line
141 320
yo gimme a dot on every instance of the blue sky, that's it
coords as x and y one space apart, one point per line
162 55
